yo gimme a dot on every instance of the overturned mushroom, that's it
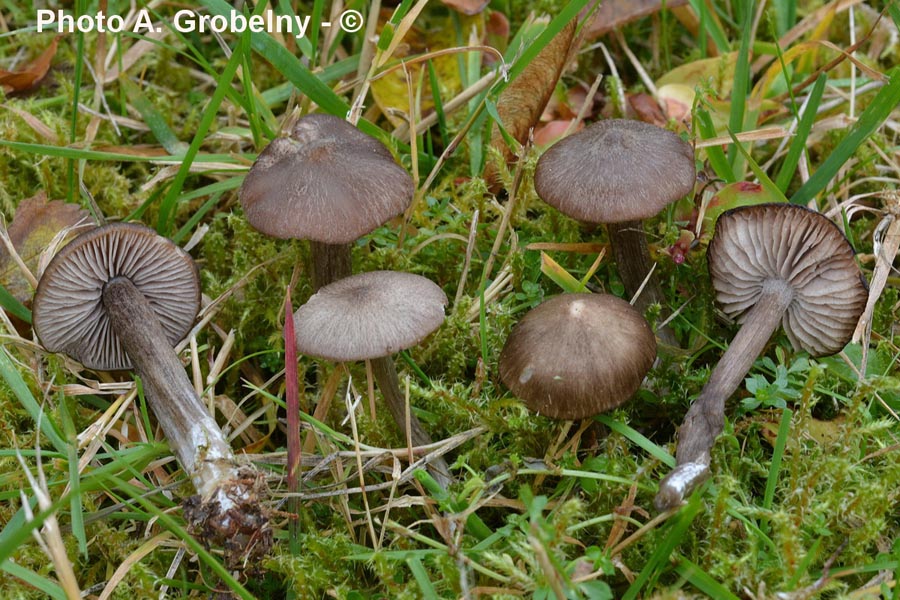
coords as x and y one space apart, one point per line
770 264
119 297
329 183
578 355
619 172
369 317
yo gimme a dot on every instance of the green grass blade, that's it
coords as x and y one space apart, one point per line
287 64
169 202
638 440
195 218
717 159
153 118
9 303
713 28
784 429
438 103
785 15
14 380
804 126
569 12
661 556
47 586
881 107
172 525
421 575
703 581
560 276
764 180
894 11
740 88
76 508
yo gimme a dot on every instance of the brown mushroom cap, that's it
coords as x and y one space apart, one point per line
614 171
756 244
577 355
369 315
327 182
68 309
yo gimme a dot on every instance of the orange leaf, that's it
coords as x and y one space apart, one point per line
31 75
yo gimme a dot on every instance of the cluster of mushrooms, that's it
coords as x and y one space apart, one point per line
121 297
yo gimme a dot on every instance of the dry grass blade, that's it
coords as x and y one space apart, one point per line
51 541
135 557
887 243
351 411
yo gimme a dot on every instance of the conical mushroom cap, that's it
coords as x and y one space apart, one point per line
68 311
615 170
753 244
578 355
327 182
369 315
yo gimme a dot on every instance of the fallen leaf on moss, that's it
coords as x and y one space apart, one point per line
27 78
391 92
36 223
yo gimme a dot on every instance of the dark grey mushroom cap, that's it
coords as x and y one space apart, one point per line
68 311
577 355
369 315
754 244
327 182
615 170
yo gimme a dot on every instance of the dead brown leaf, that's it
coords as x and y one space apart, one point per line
520 105
28 77
467 7
615 13
36 223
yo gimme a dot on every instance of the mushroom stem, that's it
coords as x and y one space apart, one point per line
632 256
229 513
706 417
330 262
194 436
386 376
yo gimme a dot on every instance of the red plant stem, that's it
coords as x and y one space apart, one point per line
292 403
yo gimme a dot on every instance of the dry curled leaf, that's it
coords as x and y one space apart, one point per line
36 223
28 77
520 105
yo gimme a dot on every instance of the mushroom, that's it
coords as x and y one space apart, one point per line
329 183
577 355
618 172
369 317
119 297
770 264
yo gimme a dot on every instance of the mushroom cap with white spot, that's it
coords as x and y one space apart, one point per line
328 182
369 315
753 244
614 171
68 313
578 355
